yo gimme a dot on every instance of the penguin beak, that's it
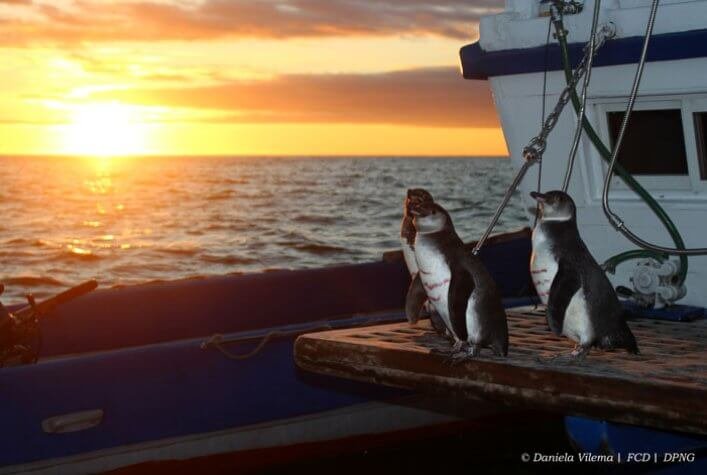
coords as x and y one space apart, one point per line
541 197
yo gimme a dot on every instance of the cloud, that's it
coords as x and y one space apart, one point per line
93 20
437 97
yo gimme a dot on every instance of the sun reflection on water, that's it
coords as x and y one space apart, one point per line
127 220
107 215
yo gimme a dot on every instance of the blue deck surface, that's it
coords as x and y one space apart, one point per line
674 313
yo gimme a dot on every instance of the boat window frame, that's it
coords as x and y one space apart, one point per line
701 141
693 106
670 184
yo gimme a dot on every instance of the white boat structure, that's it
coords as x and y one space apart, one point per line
665 145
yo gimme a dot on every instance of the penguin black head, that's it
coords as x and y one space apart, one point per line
555 206
429 217
415 196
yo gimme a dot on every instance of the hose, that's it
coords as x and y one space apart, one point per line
625 176
614 218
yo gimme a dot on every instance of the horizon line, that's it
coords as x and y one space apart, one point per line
242 155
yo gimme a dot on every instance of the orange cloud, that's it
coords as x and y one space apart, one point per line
436 97
91 20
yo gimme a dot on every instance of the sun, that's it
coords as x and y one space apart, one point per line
104 130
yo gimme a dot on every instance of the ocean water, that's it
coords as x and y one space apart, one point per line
132 220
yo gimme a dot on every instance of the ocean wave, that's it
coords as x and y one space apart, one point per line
234 181
70 256
227 260
26 242
319 249
33 281
221 195
225 181
17 255
178 250
311 219
232 225
16 242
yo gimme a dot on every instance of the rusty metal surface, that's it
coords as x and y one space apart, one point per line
665 386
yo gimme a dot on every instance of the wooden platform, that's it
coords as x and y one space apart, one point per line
663 387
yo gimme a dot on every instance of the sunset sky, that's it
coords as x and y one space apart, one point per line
295 77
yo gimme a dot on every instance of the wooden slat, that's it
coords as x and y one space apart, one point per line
664 387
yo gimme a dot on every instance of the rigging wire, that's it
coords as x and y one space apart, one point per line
542 115
604 152
585 87
533 152
613 218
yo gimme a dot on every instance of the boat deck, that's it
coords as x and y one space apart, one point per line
663 387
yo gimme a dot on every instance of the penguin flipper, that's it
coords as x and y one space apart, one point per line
563 288
415 299
461 286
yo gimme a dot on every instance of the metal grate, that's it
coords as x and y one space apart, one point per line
665 386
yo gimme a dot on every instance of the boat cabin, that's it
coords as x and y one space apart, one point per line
665 146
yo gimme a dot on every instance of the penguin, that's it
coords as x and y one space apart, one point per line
581 302
458 285
407 242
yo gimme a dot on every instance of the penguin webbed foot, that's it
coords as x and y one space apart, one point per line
455 359
580 352
462 352
453 354
576 356
457 347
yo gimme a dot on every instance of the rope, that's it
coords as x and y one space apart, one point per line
218 340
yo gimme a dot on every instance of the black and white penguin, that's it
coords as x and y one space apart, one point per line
458 285
581 302
407 242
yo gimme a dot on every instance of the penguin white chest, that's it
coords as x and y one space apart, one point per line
543 265
577 325
473 321
409 256
435 275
